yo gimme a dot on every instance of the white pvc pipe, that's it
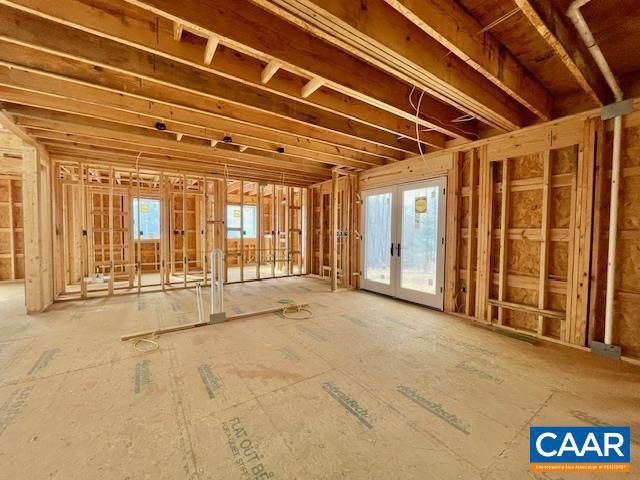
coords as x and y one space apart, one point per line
613 230
573 12
217 296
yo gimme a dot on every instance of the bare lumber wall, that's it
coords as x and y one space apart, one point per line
524 226
344 240
626 326
11 231
538 265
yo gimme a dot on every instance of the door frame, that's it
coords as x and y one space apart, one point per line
436 300
365 283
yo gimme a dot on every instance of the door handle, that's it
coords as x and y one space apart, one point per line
398 250
392 249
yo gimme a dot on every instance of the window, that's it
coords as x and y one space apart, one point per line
149 228
234 221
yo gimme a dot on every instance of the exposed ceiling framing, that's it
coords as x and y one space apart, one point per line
282 88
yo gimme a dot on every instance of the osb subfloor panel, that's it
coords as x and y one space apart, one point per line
369 388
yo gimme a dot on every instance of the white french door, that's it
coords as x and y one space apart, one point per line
404 229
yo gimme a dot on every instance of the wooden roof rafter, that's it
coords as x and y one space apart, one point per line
448 23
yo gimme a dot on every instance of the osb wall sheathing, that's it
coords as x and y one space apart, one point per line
534 232
11 229
626 308
347 211
521 259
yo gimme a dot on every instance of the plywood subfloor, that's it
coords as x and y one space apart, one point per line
369 388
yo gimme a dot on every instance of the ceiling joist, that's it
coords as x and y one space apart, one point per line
23 29
149 35
562 37
267 36
380 36
448 23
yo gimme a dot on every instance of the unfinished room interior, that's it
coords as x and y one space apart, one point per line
319 239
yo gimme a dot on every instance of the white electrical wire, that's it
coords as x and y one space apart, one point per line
499 20
416 107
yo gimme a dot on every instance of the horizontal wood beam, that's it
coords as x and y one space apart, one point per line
169 165
90 107
25 29
267 36
528 309
73 124
387 40
161 97
448 23
563 38
151 34
78 145
92 153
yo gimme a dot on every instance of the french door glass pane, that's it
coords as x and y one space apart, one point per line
419 244
378 238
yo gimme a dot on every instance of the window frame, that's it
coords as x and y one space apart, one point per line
134 219
243 227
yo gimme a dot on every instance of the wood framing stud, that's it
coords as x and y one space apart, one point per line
451 247
504 242
270 70
311 86
544 242
333 245
472 236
